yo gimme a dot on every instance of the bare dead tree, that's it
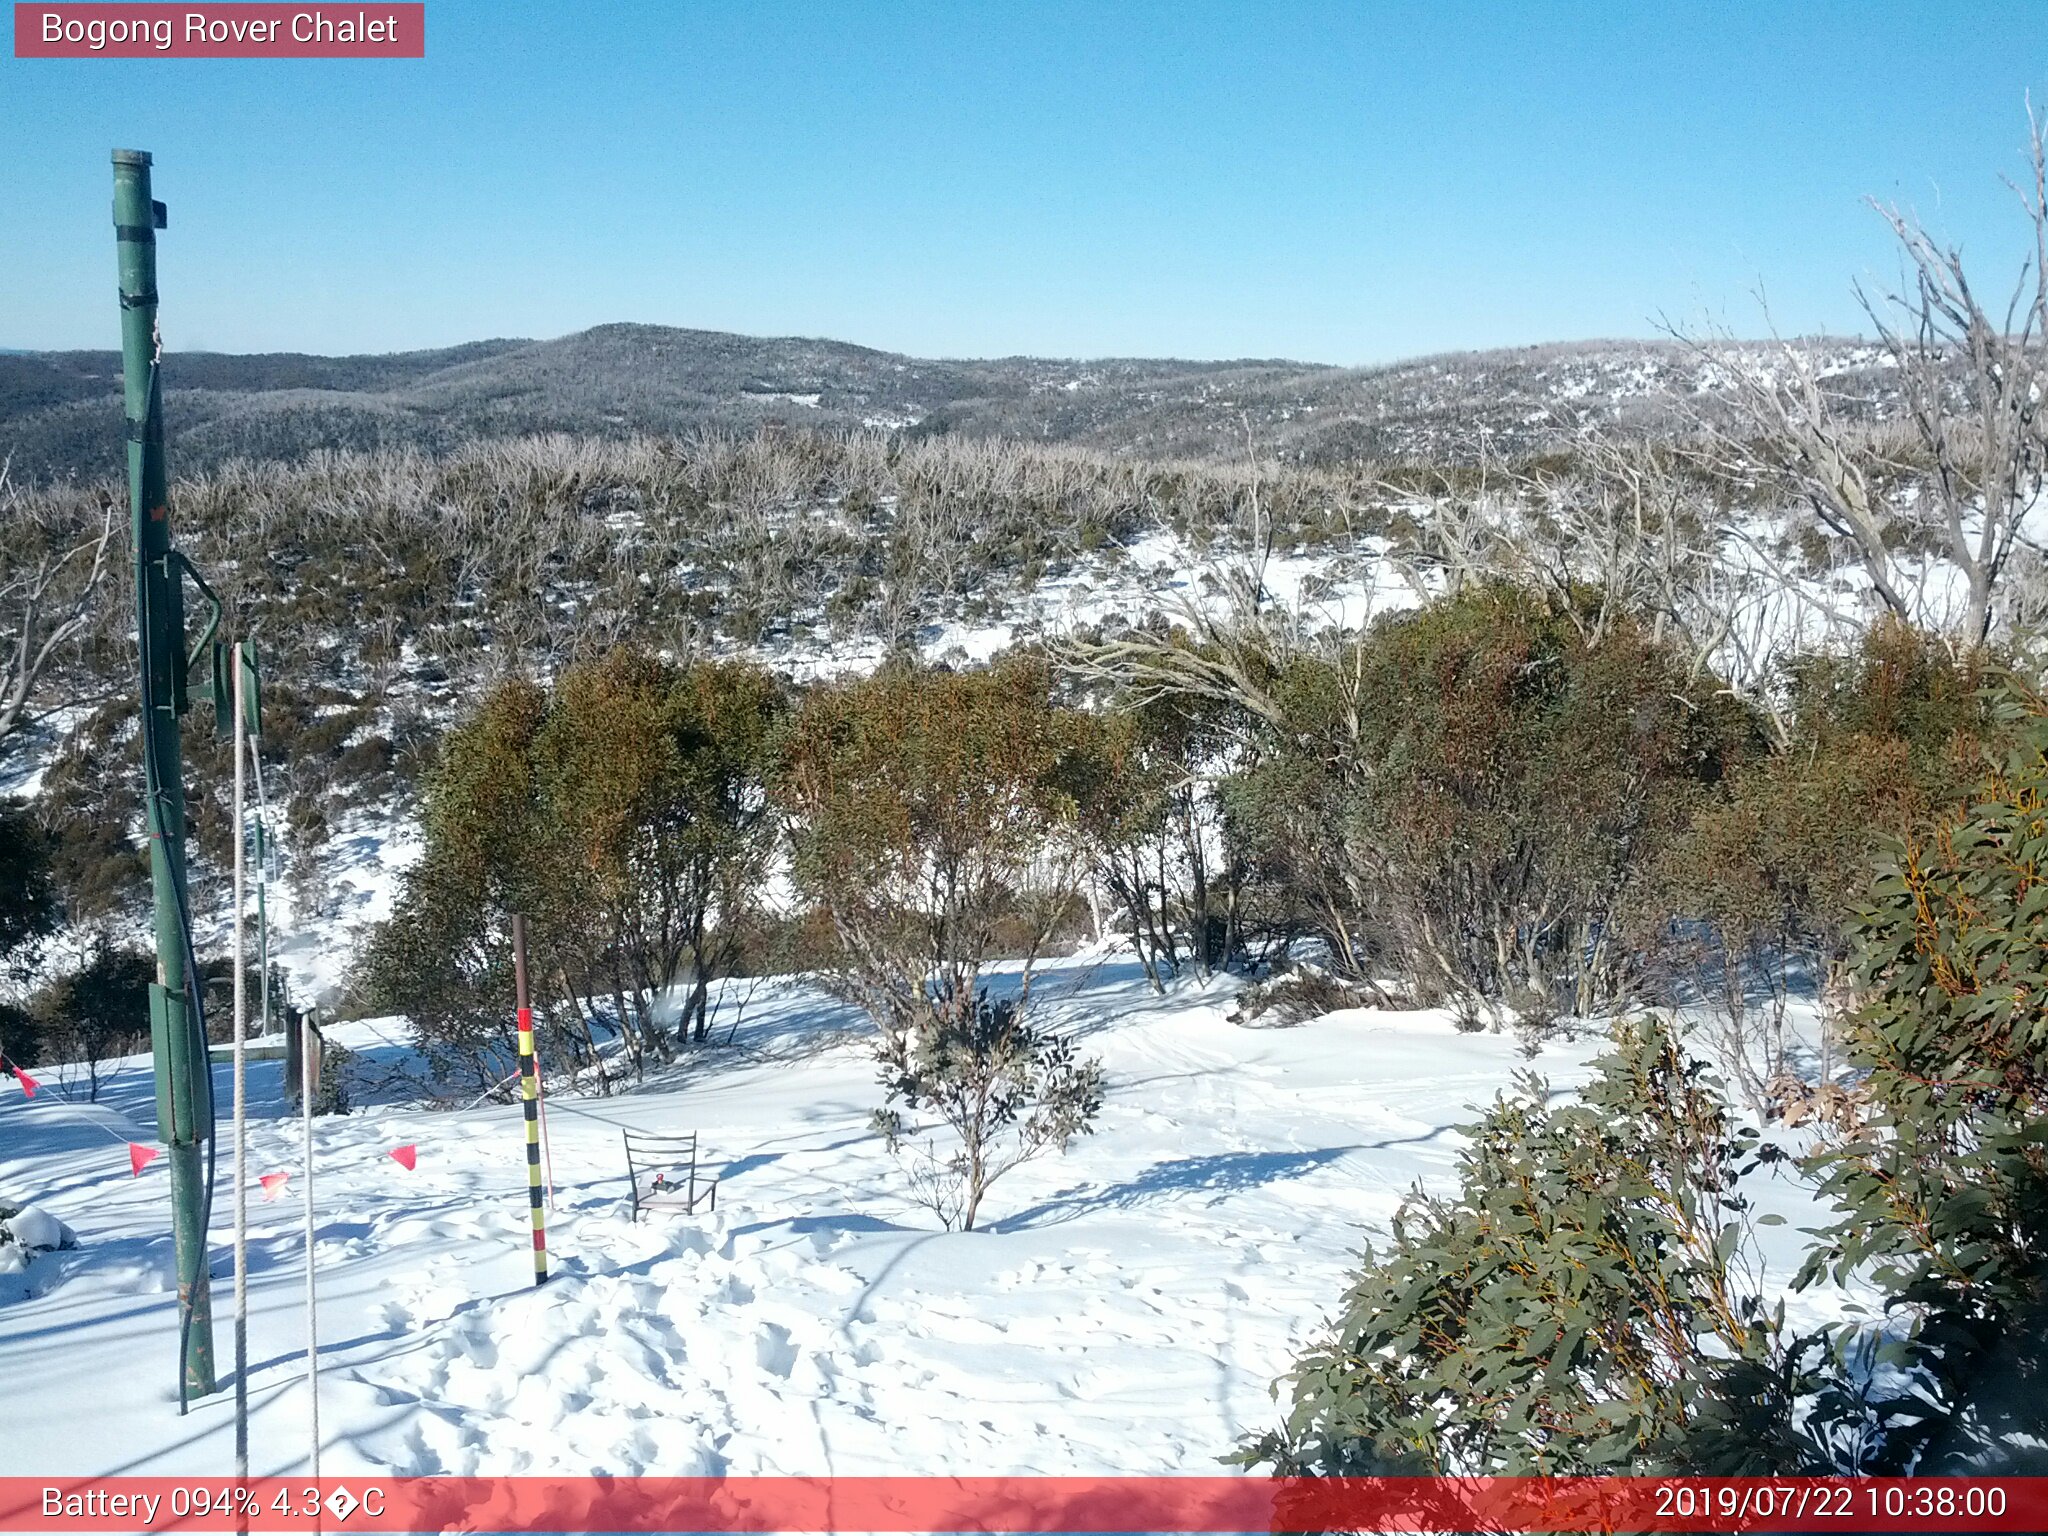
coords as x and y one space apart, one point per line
45 603
1229 647
1627 527
1454 534
1970 380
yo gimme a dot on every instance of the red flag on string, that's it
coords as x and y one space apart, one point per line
28 1084
273 1184
140 1157
406 1155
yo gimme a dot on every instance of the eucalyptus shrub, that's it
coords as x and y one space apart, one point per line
1002 1088
624 813
1584 1303
1943 1189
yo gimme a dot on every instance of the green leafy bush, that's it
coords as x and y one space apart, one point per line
1754 898
1942 1190
28 894
625 815
99 1011
1581 1304
935 820
1475 789
1002 1089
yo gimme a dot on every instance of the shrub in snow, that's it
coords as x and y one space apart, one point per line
1756 895
1281 1002
1579 1305
1474 789
936 824
28 897
93 1014
1162 853
1943 1189
625 813
1002 1090
36 1230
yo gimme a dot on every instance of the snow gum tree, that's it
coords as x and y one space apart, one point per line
1756 897
1968 370
1473 791
625 814
655 783
937 823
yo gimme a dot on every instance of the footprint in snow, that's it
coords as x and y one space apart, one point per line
774 1350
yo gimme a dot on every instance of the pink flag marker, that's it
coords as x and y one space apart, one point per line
28 1084
140 1157
406 1155
273 1184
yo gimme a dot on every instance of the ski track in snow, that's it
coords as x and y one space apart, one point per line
1126 1308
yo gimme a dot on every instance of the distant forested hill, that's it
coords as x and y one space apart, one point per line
60 411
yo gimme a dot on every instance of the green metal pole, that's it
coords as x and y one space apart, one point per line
183 1068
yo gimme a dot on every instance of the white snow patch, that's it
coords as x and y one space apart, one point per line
1125 1309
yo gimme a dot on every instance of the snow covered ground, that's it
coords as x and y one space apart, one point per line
1126 1309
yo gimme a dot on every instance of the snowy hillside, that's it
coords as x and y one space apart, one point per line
60 410
1125 1311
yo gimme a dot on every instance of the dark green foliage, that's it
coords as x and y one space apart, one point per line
1756 895
1900 684
654 782
625 815
90 798
1877 739
1943 1189
1003 1089
935 820
331 1091
28 893
99 1011
1517 775
1477 789
1286 813
1579 1305
21 1037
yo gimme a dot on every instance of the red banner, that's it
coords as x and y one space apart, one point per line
359 31
1021 1504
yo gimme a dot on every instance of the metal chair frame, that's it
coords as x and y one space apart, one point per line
649 1156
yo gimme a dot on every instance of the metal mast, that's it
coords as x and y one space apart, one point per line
184 1078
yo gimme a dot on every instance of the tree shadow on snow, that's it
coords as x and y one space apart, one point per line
836 1223
1219 1173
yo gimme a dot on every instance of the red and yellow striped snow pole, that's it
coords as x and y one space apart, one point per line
529 1091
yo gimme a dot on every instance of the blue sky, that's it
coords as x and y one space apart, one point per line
1344 183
